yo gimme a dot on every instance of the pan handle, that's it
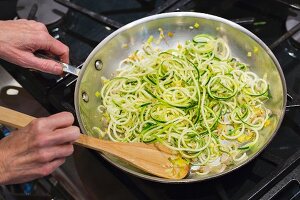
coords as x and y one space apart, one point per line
293 101
70 69
66 67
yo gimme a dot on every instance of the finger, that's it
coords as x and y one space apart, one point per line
50 167
59 120
55 47
44 65
49 154
64 135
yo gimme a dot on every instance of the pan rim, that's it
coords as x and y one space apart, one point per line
183 14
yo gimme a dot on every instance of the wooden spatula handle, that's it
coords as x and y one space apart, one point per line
17 119
145 157
14 118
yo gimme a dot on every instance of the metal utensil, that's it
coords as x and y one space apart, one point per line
105 58
66 67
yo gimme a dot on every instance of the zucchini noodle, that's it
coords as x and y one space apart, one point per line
195 99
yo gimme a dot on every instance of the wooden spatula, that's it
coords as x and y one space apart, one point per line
154 159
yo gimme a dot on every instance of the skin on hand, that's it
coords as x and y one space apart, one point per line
19 39
38 149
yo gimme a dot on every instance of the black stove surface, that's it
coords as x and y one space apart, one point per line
274 174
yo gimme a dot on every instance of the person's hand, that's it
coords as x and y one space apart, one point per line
19 39
38 149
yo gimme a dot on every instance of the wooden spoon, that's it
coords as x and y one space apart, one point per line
152 158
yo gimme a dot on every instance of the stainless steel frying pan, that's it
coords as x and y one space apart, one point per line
105 58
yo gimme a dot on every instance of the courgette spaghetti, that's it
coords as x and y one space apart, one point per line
195 99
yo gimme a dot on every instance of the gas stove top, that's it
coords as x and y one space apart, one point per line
274 174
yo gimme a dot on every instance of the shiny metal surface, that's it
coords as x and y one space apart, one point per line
70 69
241 42
66 67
